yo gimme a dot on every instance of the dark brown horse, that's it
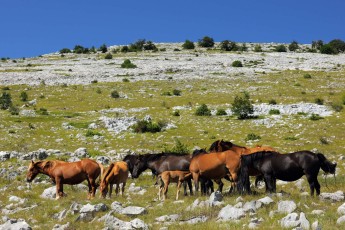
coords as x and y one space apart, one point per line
62 173
286 167
161 162
116 173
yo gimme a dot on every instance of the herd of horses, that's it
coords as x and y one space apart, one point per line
223 160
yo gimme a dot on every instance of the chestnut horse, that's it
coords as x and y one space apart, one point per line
223 162
171 176
116 173
62 172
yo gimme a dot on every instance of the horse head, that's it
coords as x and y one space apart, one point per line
140 165
220 146
33 171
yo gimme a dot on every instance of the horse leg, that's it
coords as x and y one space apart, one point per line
178 188
59 189
165 191
93 187
220 185
90 188
117 189
123 188
313 184
185 188
110 189
196 181
270 182
189 182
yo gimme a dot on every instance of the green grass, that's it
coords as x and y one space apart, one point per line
86 106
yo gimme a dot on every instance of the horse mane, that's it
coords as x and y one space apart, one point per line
197 152
214 146
107 171
156 156
250 158
45 164
326 165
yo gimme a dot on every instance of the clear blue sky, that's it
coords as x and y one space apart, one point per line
33 27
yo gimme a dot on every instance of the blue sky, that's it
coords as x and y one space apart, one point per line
33 27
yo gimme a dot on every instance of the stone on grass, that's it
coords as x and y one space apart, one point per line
195 220
318 212
230 213
304 223
290 221
168 218
139 224
266 200
80 153
60 215
336 196
341 209
15 224
316 225
133 211
62 227
341 220
49 193
116 206
286 206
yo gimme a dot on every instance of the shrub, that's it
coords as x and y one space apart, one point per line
280 48
137 46
124 49
103 48
43 111
274 112
315 117
128 64
114 94
338 45
91 133
125 80
188 45
257 48
178 148
243 47
144 126
307 76
252 137
293 46
221 112
242 107
14 110
227 45
176 92
272 102
177 50
317 44
337 106
290 138
78 49
149 45
206 42
328 49
108 56
5 100
166 94
237 63
319 101
176 113
323 141
64 51
203 110
23 96
94 81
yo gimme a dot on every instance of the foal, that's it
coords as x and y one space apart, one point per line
172 176
116 173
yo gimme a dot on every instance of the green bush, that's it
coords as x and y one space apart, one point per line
43 111
337 106
176 92
114 94
78 49
206 42
227 45
293 46
178 148
317 44
274 112
166 94
124 49
64 51
242 107
272 102
108 56
128 64
144 126
23 96
319 101
188 45
91 133
221 112
252 137
315 117
203 110
149 45
5 100
176 113
125 80
328 49
280 48
338 45
307 76
237 63
103 48
14 110
257 48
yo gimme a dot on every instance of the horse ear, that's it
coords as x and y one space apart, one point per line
32 162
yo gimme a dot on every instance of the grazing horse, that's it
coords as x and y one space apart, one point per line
171 176
161 162
286 167
62 173
116 173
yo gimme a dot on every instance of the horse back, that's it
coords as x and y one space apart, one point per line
119 173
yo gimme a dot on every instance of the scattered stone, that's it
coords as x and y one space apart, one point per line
304 223
254 223
168 218
101 207
103 160
290 221
61 227
14 224
112 222
195 220
116 206
230 213
138 224
266 200
75 207
316 226
336 196
61 215
341 209
341 220
133 211
318 212
215 198
4 155
287 206
49 193
81 153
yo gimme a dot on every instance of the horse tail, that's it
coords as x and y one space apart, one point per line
326 165
243 184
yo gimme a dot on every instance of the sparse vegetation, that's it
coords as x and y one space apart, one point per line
307 76
221 112
237 63
127 64
227 45
280 48
252 137
5 100
108 56
115 94
206 42
242 106
24 96
188 45
147 126
274 112
203 110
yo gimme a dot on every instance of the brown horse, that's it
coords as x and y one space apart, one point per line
62 173
223 161
116 173
171 176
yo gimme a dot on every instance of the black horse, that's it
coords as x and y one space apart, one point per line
286 167
161 162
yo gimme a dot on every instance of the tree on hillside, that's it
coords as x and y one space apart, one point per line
227 45
103 48
293 46
242 106
188 45
206 42
316 44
